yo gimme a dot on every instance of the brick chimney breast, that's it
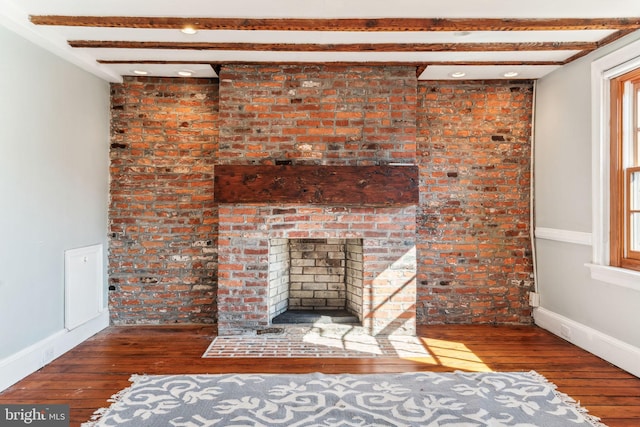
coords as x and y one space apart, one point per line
327 116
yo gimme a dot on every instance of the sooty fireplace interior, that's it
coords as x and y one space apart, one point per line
311 279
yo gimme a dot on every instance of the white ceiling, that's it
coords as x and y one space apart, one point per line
442 58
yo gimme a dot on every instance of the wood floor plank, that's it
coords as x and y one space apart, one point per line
87 376
607 411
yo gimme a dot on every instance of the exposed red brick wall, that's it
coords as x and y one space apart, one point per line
317 114
474 258
163 219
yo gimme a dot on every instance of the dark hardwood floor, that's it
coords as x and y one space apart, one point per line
88 375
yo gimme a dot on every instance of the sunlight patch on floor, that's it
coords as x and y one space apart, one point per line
356 338
454 355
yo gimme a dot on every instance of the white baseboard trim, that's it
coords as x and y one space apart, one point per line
17 366
611 349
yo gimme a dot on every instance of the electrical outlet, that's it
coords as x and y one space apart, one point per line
534 299
565 332
47 356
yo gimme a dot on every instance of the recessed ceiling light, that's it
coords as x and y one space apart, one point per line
185 73
510 74
189 30
140 72
457 74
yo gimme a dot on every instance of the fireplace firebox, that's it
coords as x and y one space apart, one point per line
315 275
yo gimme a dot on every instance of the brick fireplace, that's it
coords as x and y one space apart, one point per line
316 153
248 233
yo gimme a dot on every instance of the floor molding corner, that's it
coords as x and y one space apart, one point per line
17 366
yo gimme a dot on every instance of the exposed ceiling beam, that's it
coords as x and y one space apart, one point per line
342 63
335 47
617 28
146 61
609 39
351 24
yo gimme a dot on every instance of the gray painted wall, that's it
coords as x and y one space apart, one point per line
54 136
563 195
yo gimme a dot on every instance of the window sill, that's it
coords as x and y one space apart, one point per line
615 276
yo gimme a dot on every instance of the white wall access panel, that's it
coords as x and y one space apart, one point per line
83 271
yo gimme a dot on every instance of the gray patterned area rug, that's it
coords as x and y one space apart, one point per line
496 399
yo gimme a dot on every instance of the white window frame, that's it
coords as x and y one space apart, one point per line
603 70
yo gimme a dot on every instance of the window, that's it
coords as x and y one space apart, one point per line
625 171
604 70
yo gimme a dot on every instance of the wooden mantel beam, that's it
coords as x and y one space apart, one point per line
315 184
